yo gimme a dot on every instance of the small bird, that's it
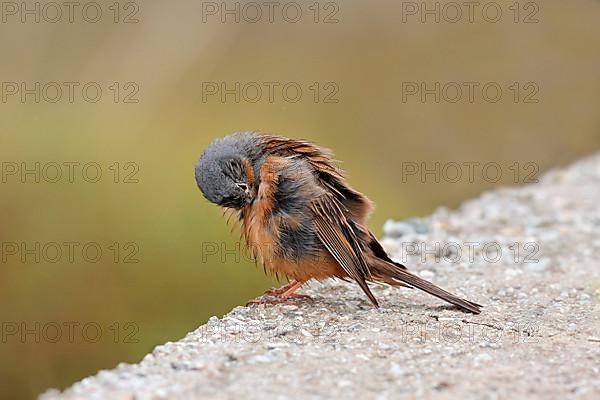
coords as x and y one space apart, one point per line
299 217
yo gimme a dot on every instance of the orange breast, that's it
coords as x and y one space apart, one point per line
261 231
262 242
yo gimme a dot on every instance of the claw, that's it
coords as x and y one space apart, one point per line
292 298
279 291
282 295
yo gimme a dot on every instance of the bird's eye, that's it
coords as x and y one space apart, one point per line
242 186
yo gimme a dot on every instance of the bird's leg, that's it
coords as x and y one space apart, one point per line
282 295
291 288
281 290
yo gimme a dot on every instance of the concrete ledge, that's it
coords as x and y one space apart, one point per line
537 337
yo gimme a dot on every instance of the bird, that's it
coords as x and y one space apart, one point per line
299 217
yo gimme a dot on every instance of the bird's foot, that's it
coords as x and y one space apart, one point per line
292 298
279 291
283 295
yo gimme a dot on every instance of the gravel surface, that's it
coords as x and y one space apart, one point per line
529 255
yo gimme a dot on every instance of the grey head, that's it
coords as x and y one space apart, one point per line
225 170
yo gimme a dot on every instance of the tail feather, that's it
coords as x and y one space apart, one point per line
389 273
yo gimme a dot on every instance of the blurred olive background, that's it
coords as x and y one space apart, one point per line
170 54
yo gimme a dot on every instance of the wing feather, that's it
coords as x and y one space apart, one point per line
337 234
337 213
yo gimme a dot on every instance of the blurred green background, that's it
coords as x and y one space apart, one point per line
166 61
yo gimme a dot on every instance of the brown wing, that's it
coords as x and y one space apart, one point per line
339 236
318 157
329 176
340 214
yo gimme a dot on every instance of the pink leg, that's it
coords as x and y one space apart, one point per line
291 289
282 295
281 290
